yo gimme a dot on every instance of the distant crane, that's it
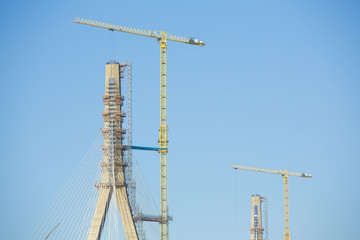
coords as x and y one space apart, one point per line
284 174
161 37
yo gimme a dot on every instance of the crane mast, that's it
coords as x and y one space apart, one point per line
286 208
162 38
284 174
163 134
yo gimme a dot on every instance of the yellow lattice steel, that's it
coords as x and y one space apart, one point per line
146 33
163 138
162 37
284 174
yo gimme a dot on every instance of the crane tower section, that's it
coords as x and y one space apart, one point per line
256 218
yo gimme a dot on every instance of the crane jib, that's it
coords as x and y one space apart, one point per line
146 33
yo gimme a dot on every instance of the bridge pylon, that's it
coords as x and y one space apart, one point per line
113 177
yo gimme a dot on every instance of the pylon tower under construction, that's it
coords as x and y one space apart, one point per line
113 177
256 218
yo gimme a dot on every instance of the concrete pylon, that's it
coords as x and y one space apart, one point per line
256 218
113 175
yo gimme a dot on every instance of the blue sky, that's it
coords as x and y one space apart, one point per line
277 86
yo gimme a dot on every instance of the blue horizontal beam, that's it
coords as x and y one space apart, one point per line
147 148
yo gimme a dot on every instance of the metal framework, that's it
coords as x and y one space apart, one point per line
163 141
284 174
266 235
162 38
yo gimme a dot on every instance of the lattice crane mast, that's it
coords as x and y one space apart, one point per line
162 37
284 174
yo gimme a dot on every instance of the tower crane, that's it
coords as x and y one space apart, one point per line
284 174
162 38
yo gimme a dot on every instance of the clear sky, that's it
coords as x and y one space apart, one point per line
277 86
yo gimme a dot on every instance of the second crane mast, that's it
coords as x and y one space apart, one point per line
162 38
284 174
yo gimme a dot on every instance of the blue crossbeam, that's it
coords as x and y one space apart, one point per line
147 148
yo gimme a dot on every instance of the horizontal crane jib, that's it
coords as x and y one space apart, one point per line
146 33
280 172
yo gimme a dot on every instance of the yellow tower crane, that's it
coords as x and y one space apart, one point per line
284 174
162 37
